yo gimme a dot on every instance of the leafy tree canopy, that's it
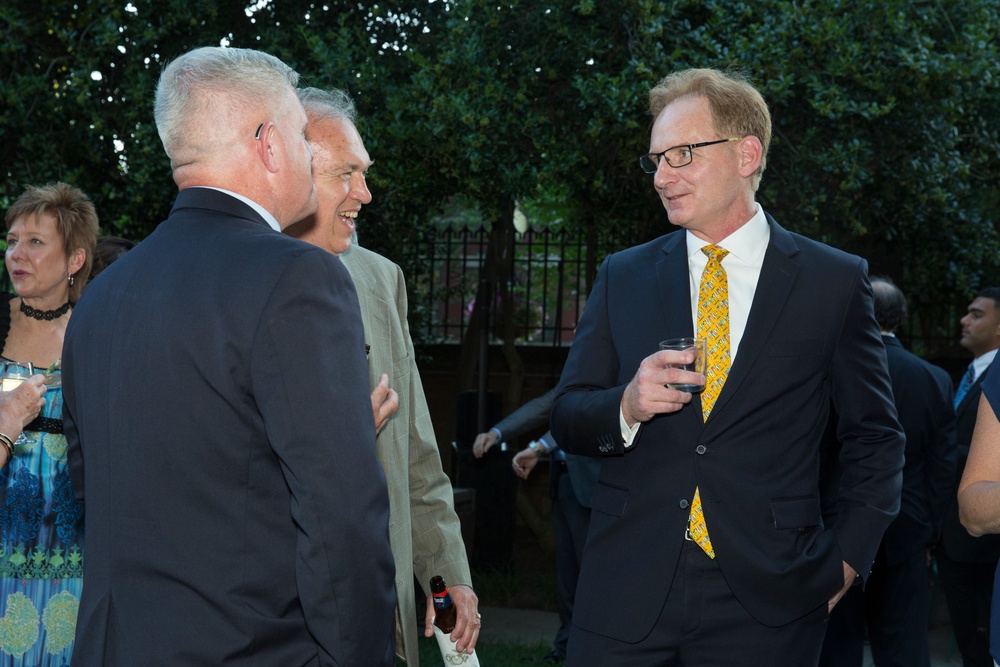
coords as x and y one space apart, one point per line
885 113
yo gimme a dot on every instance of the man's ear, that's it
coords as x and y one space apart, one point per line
267 141
751 152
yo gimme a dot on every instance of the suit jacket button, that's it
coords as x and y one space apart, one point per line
684 503
701 449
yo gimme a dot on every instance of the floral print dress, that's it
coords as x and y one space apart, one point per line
41 547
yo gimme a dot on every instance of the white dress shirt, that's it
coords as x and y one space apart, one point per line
746 247
982 362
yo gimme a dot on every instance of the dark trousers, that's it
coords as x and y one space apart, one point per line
893 605
968 589
702 624
570 521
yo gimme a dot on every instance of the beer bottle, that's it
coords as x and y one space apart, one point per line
445 616
445 613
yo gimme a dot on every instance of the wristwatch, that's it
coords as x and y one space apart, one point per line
537 447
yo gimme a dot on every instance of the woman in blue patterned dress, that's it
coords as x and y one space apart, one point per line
51 231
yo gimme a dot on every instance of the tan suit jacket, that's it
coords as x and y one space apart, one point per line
424 531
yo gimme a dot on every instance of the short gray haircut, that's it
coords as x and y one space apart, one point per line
330 104
210 84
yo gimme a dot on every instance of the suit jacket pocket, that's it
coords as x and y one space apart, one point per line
609 500
796 513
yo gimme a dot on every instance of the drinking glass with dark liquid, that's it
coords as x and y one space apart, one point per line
700 346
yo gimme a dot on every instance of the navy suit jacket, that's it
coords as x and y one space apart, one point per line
221 439
923 397
811 341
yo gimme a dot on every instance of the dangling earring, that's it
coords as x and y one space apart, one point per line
70 279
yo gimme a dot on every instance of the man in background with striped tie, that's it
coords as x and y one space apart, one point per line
706 545
966 563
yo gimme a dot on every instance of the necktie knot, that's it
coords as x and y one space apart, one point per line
715 253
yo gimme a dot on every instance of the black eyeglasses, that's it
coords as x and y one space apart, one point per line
676 156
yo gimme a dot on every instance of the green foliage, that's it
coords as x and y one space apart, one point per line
885 131
77 98
885 113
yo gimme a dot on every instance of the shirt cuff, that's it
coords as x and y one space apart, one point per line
628 434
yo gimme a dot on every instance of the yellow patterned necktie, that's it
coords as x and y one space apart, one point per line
713 325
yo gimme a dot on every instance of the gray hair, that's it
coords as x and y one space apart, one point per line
331 104
201 90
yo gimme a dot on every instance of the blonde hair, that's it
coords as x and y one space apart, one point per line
738 109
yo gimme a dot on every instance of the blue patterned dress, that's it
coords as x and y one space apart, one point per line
41 547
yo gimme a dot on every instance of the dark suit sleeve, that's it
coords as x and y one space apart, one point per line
310 383
942 455
74 455
587 409
550 442
533 414
871 453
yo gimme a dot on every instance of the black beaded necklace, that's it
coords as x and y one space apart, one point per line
45 315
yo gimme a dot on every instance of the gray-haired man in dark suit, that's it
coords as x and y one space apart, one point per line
217 407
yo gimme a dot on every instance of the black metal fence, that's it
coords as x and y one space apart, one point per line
548 285
549 291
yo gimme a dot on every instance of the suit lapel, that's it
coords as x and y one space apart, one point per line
778 273
673 285
675 314
374 316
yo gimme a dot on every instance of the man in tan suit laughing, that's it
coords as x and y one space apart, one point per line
424 531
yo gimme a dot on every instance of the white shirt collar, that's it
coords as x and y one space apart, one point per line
983 361
747 244
747 247
270 219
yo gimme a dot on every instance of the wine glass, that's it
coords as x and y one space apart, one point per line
12 375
